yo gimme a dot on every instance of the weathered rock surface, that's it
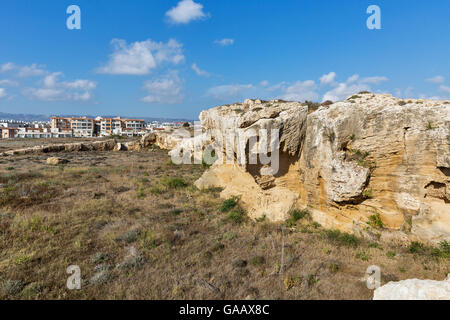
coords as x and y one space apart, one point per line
54 161
414 289
105 145
368 155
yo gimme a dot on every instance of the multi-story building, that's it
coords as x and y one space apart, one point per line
35 133
60 123
110 126
82 127
9 133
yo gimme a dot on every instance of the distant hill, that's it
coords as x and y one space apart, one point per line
42 117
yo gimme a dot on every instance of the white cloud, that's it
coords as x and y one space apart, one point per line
264 83
300 91
327 78
9 83
164 90
185 12
231 91
198 71
343 90
353 78
23 71
224 42
30 71
7 67
139 58
444 88
374 80
436 79
2 93
54 90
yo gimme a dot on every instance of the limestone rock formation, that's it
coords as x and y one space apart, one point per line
54 161
372 155
414 289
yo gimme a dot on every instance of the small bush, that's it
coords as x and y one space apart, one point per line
391 254
375 221
228 204
367 193
333 267
416 247
236 216
291 281
342 238
299 214
401 103
362 255
173 183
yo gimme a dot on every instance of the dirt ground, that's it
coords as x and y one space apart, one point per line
138 229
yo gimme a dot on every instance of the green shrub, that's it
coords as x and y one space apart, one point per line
299 214
416 247
342 238
391 254
173 183
362 255
375 221
228 204
367 193
236 216
333 267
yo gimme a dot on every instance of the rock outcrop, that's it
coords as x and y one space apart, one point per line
414 289
104 145
371 155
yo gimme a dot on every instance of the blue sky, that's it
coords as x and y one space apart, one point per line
176 58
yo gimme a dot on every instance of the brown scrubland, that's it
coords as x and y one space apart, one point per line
139 229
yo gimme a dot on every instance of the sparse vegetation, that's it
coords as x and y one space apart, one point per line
342 238
375 221
148 248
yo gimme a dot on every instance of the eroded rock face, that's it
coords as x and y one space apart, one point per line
414 289
370 155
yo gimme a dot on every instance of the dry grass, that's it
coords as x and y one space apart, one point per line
187 243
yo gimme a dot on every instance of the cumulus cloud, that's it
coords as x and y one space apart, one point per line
353 78
186 11
23 71
164 90
139 58
224 42
374 80
444 88
9 83
198 71
231 91
2 93
52 89
300 90
7 67
436 79
264 83
352 85
343 90
327 78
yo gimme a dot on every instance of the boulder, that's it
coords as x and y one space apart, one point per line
414 289
54 161
148 139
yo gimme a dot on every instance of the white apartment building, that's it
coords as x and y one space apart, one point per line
82 127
